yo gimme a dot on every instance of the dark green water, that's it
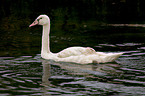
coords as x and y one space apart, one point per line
24 72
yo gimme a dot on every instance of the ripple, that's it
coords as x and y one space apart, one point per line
129 44
123 44
23 75
130 81
133 70
142 48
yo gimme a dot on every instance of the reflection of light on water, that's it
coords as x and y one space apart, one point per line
129 25
142 48
123 44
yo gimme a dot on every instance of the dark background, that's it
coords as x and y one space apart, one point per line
66 11
69 18
121 11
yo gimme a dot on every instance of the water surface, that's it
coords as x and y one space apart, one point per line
24 72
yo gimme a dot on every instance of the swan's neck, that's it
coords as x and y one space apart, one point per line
45 39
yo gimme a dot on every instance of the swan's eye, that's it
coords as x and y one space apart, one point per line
39 19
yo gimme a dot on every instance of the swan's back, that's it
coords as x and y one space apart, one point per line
76 51
85 55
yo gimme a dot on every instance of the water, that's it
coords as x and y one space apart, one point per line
24 72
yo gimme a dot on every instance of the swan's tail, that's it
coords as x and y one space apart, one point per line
107 57
112 57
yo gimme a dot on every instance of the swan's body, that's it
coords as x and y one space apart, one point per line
82 55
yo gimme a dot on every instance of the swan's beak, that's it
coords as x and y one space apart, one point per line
34 23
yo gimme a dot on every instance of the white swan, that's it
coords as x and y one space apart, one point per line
82 55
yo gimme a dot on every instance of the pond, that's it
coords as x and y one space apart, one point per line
24 72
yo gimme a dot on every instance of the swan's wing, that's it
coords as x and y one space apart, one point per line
83 55
75 51
92 58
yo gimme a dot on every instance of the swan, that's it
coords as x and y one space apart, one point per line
81 55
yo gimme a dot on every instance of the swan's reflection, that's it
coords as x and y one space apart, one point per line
76 69
46 72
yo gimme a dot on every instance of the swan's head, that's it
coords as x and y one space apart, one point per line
41 20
